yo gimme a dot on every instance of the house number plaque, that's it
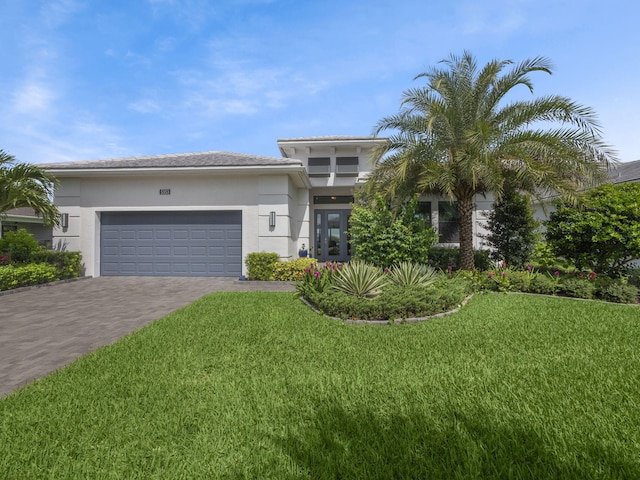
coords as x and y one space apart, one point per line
165 191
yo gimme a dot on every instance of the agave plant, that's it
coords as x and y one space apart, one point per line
407 274
360 280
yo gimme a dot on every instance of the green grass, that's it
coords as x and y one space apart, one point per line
255 385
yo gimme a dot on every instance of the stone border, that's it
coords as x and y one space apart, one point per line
396 321
50 284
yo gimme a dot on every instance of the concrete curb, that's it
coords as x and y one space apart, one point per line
50 284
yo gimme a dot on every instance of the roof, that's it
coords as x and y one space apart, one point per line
625 172
331 138
177 160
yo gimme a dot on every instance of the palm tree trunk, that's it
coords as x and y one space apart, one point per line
465 210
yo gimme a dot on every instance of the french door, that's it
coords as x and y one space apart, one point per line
331 241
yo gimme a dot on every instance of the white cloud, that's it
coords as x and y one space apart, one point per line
33 98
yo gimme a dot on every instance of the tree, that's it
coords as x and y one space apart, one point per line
456 137
513 230
604 233
25 185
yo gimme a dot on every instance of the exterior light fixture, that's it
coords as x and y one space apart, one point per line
272 219
64 220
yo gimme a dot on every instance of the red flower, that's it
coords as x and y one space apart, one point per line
592 275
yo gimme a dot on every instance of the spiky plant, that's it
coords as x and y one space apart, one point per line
361 280
408 274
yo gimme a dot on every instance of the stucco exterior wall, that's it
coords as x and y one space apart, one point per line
254 195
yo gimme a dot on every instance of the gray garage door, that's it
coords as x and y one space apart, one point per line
187 244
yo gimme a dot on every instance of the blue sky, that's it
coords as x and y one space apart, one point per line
91 79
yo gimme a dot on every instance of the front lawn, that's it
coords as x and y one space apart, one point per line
255 385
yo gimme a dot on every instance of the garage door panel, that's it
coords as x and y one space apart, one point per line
145 268
144 251
127 234
180 251
171 243
198 234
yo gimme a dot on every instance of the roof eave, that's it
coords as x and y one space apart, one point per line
297 171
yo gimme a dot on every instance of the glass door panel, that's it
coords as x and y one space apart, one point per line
334 233
330 235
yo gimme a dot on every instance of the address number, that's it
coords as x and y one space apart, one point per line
165 191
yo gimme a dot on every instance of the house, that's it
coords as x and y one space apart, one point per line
200 214
625 172
27 219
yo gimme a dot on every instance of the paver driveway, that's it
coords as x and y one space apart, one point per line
45 328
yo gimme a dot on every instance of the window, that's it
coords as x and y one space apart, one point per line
319 167
8 228
347 166
424 211
448 222
328 200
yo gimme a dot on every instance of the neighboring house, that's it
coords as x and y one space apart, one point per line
200 214
26 218
625 172
618 173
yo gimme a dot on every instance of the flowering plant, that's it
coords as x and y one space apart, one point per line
317 277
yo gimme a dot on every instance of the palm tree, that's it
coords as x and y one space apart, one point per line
456 137
25 185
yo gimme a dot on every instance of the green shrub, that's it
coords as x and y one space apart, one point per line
69 264
520 280
497 281
293 269
260 265
12 276
19 245
407 274
577 287
618 292
604 233
544 257
543 284
383 238
448 258
360 279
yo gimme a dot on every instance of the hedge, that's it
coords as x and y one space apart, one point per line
27 275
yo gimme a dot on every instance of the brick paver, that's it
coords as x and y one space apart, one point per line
45 328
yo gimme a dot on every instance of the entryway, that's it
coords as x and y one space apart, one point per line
331 240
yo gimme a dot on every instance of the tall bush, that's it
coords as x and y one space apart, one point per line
19 245
513 230
383 238
604 233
